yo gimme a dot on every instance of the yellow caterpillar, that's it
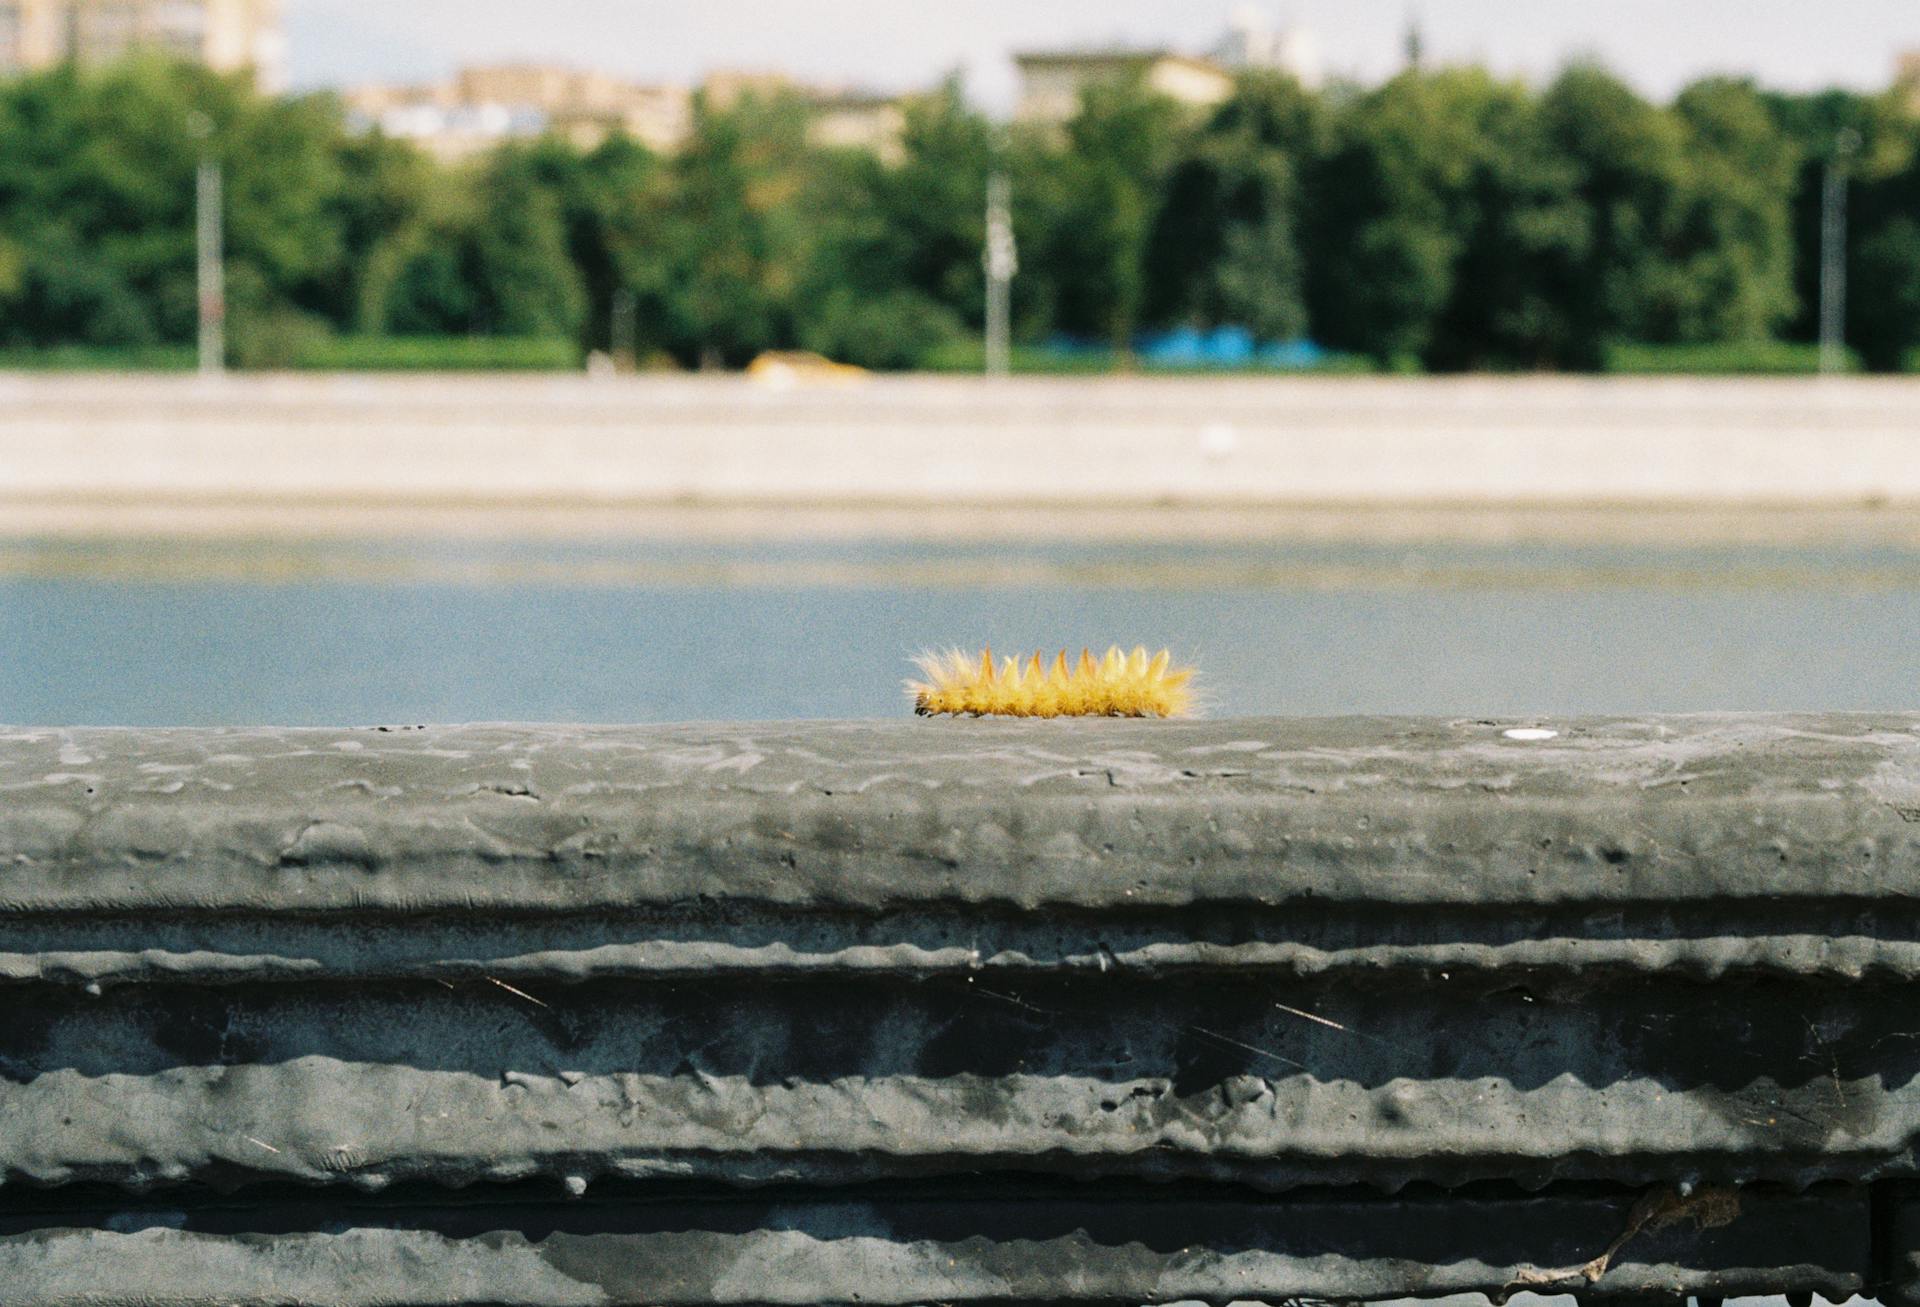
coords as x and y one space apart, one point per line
1118 685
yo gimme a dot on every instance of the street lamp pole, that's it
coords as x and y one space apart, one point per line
623 339
211 243
1833 254
1002 262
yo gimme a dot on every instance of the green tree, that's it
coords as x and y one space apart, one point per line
1445 217
1525 232
434 288
607 202
529 282
1090 204
893 270
281 168
1816 125
1391 212
1883 273
932 205
1627 158
1226 244
489 256
1728 268
1885 320
1883 192
97 199
381 210
731 237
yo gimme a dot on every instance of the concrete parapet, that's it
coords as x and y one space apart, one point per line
959 1011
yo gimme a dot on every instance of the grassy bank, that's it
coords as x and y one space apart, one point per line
440 354
90 358
969 356
322 354
1751 358
548 354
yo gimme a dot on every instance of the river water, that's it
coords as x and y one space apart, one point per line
417 631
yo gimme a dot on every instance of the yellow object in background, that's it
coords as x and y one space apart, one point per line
1119 685
792 369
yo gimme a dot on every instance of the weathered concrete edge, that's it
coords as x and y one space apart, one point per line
231 1124
1810 1244
869 817
1848 959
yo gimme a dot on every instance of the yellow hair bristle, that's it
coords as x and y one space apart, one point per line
1120 684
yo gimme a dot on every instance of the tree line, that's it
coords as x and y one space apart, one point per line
1445 219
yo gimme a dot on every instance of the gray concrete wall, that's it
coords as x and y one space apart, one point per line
958 1011
1318 441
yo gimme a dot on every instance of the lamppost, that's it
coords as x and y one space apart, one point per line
1002 261
623 336
211 240
1833 253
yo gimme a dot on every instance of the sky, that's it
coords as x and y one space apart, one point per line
894 45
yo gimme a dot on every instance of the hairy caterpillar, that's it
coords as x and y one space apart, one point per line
1118 685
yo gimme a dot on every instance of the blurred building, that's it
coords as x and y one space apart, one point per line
1053 81
838 117
226 35
725 88
482 107
858 120
1907 77
1252 41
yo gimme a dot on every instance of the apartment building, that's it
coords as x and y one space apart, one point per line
1052 82
481 107
226 35
858 120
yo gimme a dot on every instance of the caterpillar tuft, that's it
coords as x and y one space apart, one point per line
1120 684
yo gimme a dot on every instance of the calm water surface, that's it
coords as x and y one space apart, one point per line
131 634
138 634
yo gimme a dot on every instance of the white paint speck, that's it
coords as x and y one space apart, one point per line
1219 440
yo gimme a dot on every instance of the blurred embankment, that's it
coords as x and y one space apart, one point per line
1137 457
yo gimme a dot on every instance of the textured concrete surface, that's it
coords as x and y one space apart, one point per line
107 444
1028 816
368 1004
902 1250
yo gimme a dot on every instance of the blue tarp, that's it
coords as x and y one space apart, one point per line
1192 347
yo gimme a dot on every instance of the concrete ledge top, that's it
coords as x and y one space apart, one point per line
885 816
